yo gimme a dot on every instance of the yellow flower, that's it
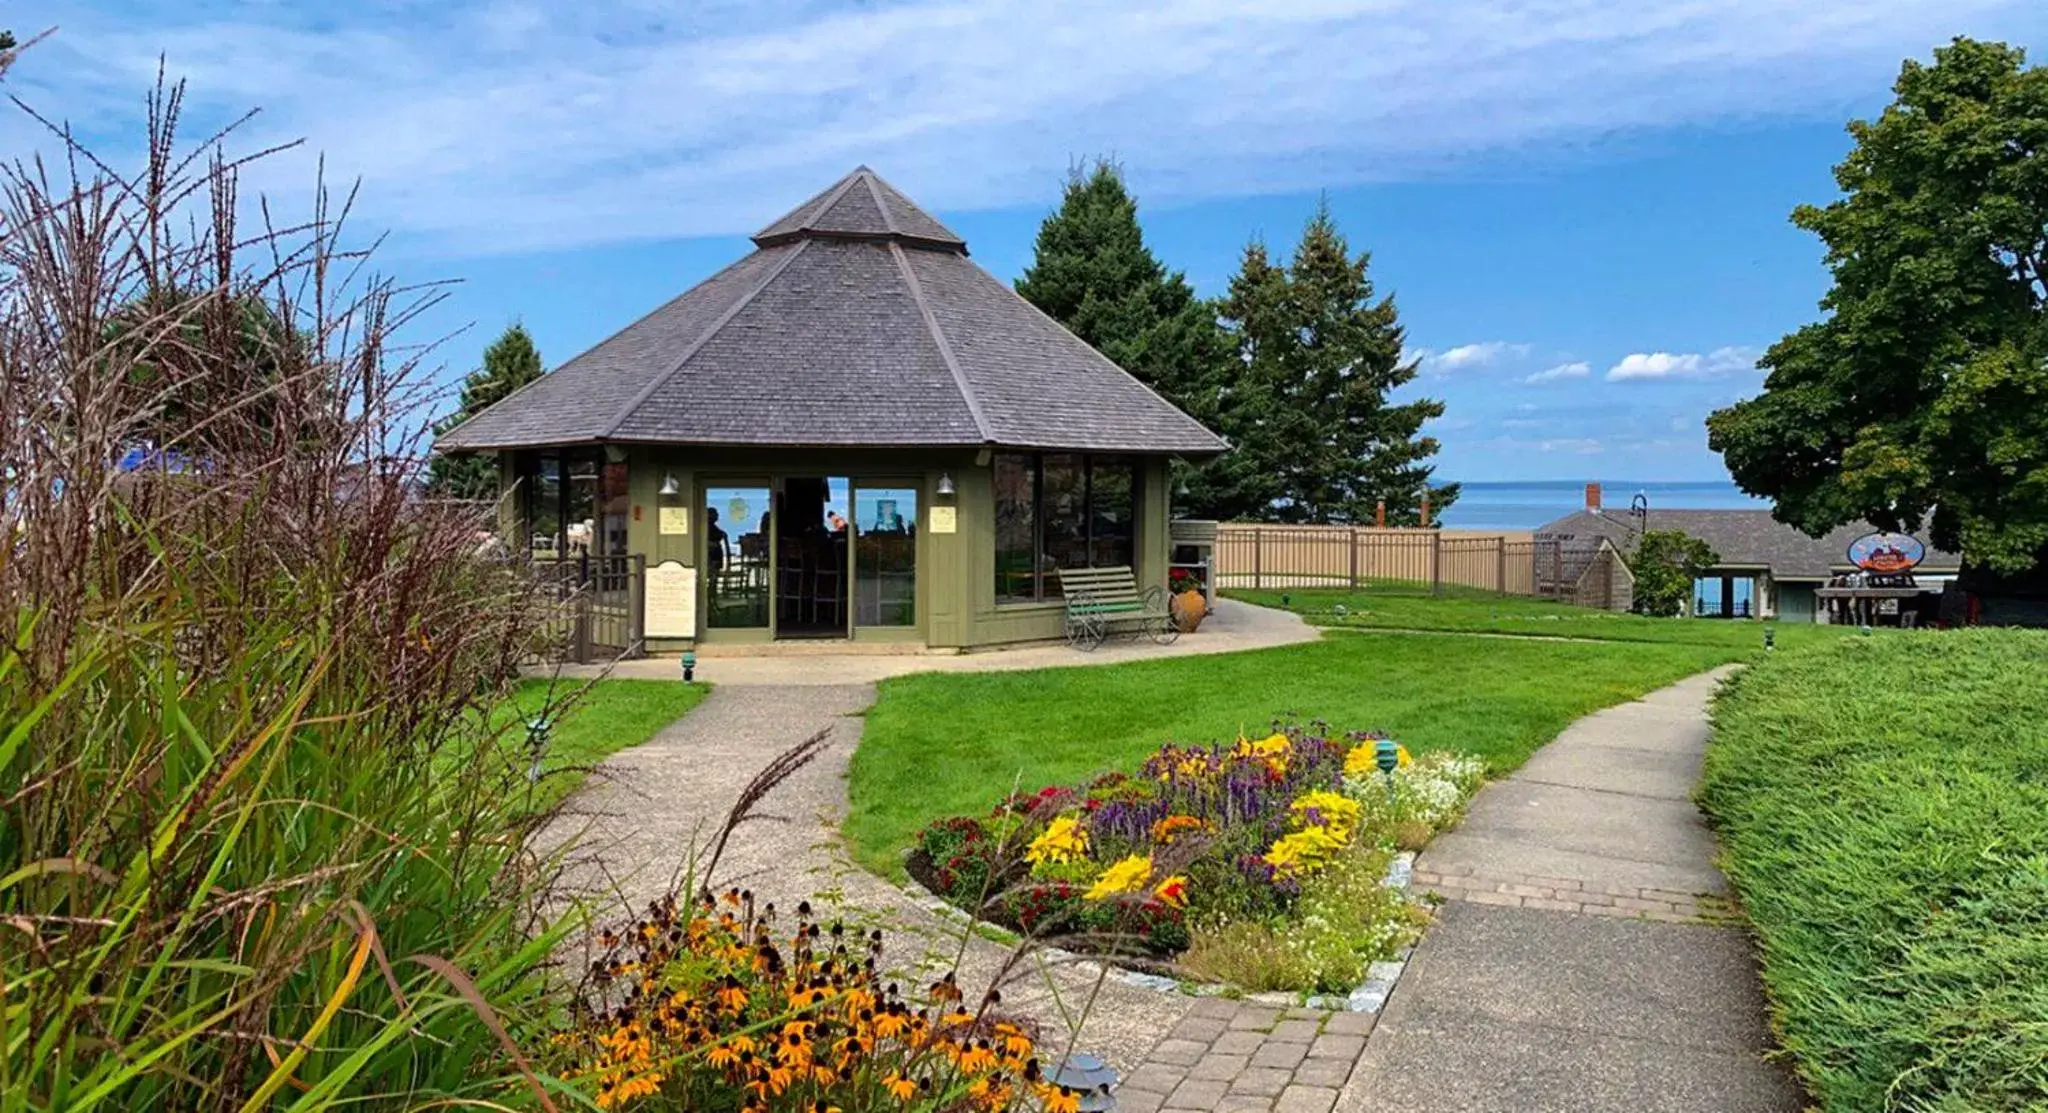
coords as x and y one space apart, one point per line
1364 759
1304 851
1173 826
1172 892
1127 876
1063 840
1338 813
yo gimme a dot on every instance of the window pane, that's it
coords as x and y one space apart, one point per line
544 507
1066 519
1016 494
582 512
736 557
614 505
1111 511
885 556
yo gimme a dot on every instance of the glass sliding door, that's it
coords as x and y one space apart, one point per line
737 557
885 556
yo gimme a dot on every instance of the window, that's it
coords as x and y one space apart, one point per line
1059 510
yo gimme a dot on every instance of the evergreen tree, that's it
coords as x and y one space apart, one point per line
510 362
1093 273
1314 438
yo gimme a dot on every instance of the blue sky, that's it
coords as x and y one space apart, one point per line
1580 205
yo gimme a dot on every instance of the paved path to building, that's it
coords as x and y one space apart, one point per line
1582 960
1236 626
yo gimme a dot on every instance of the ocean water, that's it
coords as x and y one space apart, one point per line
1527 505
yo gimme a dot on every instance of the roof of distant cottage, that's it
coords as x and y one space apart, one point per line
1742 539
857 320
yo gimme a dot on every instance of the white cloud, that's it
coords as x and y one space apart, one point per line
1578 369
1466 356
1577 446
492 125
1639 366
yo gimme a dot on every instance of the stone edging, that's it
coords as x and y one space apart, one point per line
1369 996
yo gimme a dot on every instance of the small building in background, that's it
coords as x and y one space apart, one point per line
1767 569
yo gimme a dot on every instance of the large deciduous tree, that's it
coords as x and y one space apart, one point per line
1314 436
511 362
1925 388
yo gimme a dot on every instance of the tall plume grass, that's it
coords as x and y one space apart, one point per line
255 849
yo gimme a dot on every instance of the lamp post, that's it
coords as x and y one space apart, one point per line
1770 638
1090 1077
689 665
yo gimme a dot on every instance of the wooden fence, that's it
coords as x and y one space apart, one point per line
601 607
1266 556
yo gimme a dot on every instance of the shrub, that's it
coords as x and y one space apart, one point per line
1884 808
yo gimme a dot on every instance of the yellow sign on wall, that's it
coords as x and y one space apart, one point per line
945 519
675 519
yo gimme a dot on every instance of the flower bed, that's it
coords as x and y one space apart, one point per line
716 1006
1256 863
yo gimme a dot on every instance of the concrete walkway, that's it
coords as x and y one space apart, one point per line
1582 961
1236 626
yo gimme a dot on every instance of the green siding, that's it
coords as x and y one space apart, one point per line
956 605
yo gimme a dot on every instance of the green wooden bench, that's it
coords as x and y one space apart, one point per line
1105 601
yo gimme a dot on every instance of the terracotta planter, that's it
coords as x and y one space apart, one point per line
1190 607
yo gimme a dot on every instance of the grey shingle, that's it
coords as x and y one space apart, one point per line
859 320
1742 538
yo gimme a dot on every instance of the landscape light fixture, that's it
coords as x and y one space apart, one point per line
1770 638
537 729
945 487
1092 1078
1386 753
669 486
689 665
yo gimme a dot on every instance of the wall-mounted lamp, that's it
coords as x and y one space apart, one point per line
669 486
946 484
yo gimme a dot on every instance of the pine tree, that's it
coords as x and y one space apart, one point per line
1093 273
1314 438
511 362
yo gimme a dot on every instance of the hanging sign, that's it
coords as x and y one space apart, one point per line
1886 553
671 607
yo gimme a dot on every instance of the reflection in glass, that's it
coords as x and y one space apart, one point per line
736 557
1065 487
1111 536
580 530
1016 492
885 556
544 507
810 554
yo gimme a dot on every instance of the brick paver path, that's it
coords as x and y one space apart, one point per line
1239 1057
1566 894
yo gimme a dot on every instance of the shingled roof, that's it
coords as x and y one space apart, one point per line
1742 539
857 320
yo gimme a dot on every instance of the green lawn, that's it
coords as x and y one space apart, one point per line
1883 804
611 716
942 744
1402 606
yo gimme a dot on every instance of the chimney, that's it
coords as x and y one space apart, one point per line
1593 498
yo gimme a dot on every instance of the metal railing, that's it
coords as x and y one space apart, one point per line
602 611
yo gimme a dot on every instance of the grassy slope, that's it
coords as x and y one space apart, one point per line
1403 607
613 715
1884 806
945 744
